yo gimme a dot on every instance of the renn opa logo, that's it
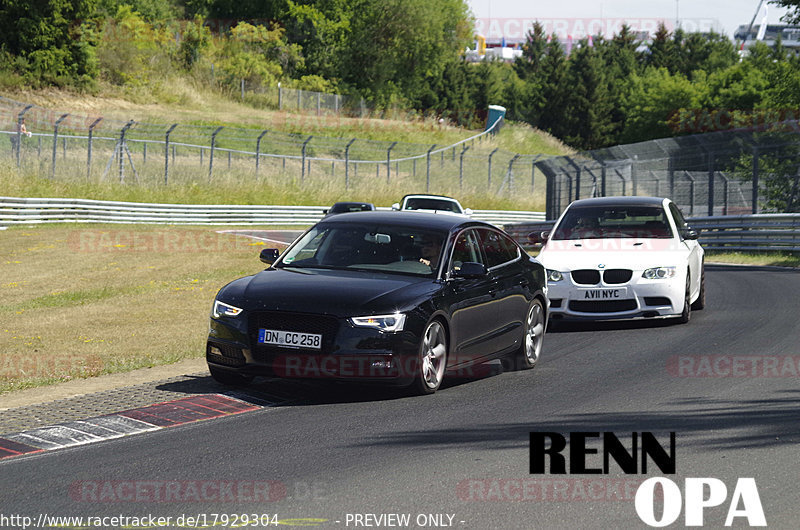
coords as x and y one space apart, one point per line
699 493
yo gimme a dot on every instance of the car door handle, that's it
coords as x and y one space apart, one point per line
524 283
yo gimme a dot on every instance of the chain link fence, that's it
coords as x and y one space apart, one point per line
90 148
721 173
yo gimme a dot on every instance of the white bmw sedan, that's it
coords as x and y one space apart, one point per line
622 258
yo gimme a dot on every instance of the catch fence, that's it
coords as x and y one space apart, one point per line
89 148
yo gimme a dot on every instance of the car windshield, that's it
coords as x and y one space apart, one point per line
607 222
388 248
431 204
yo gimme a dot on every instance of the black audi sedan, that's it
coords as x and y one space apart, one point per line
394 297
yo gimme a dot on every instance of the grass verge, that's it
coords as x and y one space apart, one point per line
780 259
84 301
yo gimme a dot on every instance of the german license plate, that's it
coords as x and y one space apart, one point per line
619 293
290 339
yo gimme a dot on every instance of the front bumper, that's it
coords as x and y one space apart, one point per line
348 353
642 298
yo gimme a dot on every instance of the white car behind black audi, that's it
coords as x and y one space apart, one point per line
622 257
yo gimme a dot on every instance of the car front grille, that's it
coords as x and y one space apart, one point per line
327 326
610 306
586 276
616 276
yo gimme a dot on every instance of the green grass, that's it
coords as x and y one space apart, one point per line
754 258
175 101
102 306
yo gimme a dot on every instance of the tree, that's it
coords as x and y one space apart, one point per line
661 52
397 48
321 28
620 57
587 106
652 103
50 47
793 16
548 111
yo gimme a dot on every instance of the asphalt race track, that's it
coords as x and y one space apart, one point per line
723 383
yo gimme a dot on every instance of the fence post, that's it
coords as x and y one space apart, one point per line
725 181
121 148
428 170
55 142
671 173
319 104
347 164
710 183
461 168
303 162
166 152
389 161
280 97
755 180
211 153
258 147
624 182
577 178
20 118
533 172
691 192
299 98
242 89
634 174
511 172
490 168
89 149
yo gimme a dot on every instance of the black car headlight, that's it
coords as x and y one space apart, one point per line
221 309
387 323
554 276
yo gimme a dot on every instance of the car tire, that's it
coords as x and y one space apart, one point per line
686 315
531 348
228 378
700 303
432 359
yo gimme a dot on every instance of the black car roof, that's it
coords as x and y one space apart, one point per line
441 221
618 201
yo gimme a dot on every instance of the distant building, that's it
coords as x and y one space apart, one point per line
790 36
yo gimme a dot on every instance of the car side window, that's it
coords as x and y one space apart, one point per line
680 221
497 248
466 249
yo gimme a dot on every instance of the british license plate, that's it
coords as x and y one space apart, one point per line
290 339
619 293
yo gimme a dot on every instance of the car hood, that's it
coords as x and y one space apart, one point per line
339 293
623 253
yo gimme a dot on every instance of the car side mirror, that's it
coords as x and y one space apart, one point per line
470 269
691 234
467 211
536 238
396 206
269 255
324 211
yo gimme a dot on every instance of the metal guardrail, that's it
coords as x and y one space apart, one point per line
768 232
17 211
761 232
